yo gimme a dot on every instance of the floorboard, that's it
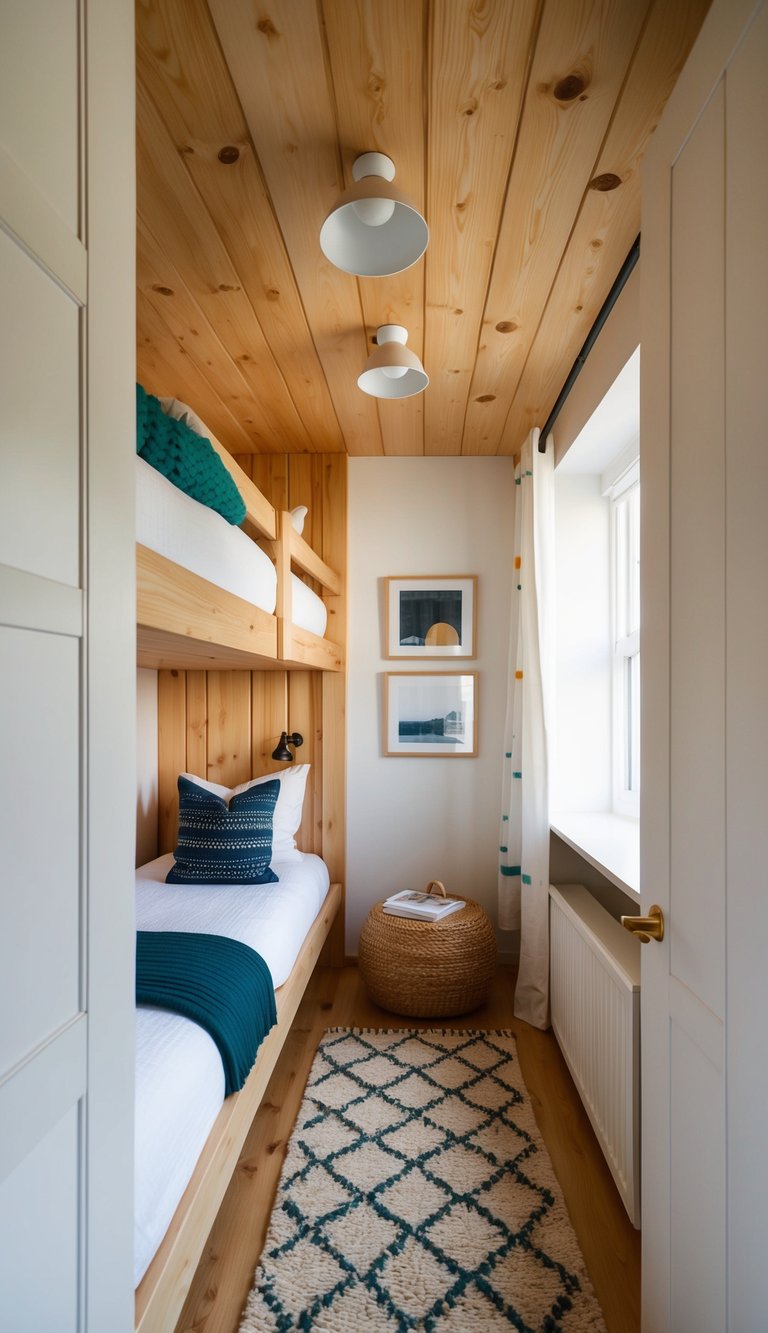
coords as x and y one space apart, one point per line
610 1245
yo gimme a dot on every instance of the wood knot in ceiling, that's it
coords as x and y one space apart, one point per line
267 27
571 87
607 181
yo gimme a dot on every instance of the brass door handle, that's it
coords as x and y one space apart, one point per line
646 928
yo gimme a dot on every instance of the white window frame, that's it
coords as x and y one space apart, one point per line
624 496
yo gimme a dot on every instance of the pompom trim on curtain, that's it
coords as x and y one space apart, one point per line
523 889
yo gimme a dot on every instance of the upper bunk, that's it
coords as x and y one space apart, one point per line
186 621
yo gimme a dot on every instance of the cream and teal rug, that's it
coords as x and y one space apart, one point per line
417 1194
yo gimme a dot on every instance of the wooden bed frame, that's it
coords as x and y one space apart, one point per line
183 621
230 677
203 640
163 1289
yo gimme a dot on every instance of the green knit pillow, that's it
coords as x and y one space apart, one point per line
188 460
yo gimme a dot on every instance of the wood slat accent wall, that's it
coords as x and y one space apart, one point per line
224 725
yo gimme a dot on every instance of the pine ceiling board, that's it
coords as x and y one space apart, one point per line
167 198
181 64
164 367
479 55
402 425
582 55
277 59
165 290
608 221
377 55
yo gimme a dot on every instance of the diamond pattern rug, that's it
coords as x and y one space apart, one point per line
417 1194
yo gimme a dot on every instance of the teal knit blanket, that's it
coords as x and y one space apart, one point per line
216 982
185 458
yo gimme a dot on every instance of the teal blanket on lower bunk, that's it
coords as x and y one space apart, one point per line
218 982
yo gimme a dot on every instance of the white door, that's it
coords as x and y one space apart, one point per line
704 814
67 678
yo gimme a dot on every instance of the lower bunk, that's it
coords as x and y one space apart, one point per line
180 1082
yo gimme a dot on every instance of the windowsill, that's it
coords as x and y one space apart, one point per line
611 843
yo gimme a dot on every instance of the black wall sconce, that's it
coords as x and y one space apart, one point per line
281 751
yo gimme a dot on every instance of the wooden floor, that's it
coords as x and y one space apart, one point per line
610 1245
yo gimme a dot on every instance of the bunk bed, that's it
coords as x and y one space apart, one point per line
165 1282
185 620
189 624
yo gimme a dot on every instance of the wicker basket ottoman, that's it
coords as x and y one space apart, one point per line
428 969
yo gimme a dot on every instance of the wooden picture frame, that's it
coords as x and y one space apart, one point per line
430 716
431 617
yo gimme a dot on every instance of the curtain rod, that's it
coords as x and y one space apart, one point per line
591 339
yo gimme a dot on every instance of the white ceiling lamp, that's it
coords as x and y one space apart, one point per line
392 370
373 230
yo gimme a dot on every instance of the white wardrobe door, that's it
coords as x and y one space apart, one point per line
67 654
704 403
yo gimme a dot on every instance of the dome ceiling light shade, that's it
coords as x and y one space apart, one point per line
392 370
373 230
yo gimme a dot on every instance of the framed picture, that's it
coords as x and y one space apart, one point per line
431 617
430 715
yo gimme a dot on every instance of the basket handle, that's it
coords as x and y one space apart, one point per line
436 884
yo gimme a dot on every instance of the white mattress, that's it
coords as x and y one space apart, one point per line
179 1074
170 522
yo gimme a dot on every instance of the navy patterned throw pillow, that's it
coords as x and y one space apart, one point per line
224 844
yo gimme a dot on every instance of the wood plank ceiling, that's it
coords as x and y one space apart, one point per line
517 126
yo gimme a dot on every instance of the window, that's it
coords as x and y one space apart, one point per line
595 749
625 599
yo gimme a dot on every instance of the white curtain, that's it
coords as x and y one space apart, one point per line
524 840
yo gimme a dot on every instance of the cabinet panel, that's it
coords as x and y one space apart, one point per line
40 421
39 110
39 837
697 1182
697 535
39 1234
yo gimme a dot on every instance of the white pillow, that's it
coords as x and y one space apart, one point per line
290 802
297 518
181 412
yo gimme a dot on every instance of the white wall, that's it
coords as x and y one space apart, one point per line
146 766
411 820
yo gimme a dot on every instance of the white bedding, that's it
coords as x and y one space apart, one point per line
179 1075
170 522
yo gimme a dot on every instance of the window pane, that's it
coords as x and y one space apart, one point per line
633 560
626 629
634 724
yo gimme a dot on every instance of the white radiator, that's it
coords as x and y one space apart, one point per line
595 999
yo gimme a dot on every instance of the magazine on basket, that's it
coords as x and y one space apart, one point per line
421 906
